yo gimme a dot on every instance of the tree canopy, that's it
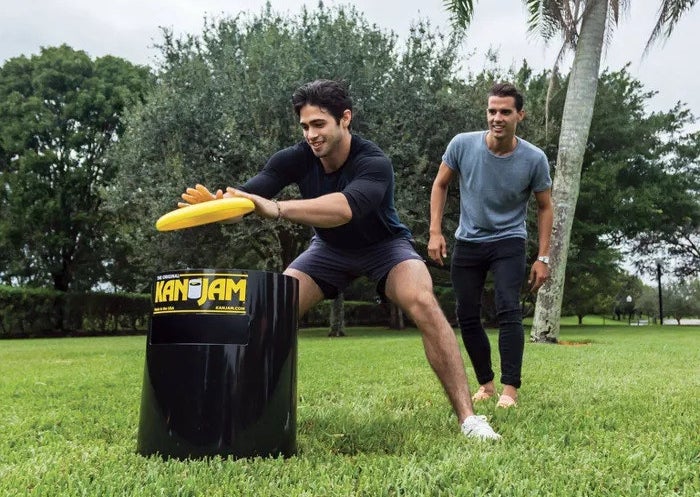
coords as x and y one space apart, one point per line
59 112
223 106
94 151
584 26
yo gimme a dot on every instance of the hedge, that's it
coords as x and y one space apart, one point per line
30 312
356 313
33 312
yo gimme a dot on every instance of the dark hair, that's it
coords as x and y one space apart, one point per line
508 90
327 94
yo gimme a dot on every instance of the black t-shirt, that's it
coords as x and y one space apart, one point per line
366 179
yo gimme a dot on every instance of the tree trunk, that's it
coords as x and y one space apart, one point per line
338 317
291 244
575 126
396 321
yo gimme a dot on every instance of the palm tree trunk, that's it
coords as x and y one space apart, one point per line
575 126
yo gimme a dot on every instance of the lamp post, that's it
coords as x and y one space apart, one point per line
661 300
629 309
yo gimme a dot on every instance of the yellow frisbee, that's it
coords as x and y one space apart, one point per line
204 213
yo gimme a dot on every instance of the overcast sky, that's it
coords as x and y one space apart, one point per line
130 28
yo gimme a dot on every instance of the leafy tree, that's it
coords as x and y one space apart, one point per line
192 130
682 300
648 303
639 186
671 224
223 106
622 138
59 112
626 178
622 170
582 25
592 278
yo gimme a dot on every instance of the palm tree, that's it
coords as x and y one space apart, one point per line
585 26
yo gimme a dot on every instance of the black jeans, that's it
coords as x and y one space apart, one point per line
470 264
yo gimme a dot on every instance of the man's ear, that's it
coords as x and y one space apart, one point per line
346 118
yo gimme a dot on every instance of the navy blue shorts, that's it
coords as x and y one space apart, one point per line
333 269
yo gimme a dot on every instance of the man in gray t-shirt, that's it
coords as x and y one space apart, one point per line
498 173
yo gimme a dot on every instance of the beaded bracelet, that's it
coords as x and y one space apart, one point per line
279 210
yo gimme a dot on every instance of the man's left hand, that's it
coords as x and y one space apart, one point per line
538 275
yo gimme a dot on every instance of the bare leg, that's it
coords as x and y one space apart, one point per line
309 292
409 285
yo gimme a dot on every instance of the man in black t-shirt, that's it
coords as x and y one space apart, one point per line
347 189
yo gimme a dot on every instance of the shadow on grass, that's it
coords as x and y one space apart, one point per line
359 332
574 343
351 436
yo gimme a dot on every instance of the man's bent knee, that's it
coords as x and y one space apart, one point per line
309 292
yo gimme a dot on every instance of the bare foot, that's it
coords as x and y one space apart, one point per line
485 392
509 397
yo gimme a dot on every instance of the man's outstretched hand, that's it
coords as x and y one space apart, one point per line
199 194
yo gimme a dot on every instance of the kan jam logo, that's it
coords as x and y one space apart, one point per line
200 293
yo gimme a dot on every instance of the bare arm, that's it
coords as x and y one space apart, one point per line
545 219
326 211
437 246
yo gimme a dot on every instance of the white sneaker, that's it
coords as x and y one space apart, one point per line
477 427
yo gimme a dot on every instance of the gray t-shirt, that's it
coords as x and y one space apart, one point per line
494 190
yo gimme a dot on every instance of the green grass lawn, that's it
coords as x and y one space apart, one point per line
618 416
590 320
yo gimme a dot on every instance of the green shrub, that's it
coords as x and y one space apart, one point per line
29 312
357 313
